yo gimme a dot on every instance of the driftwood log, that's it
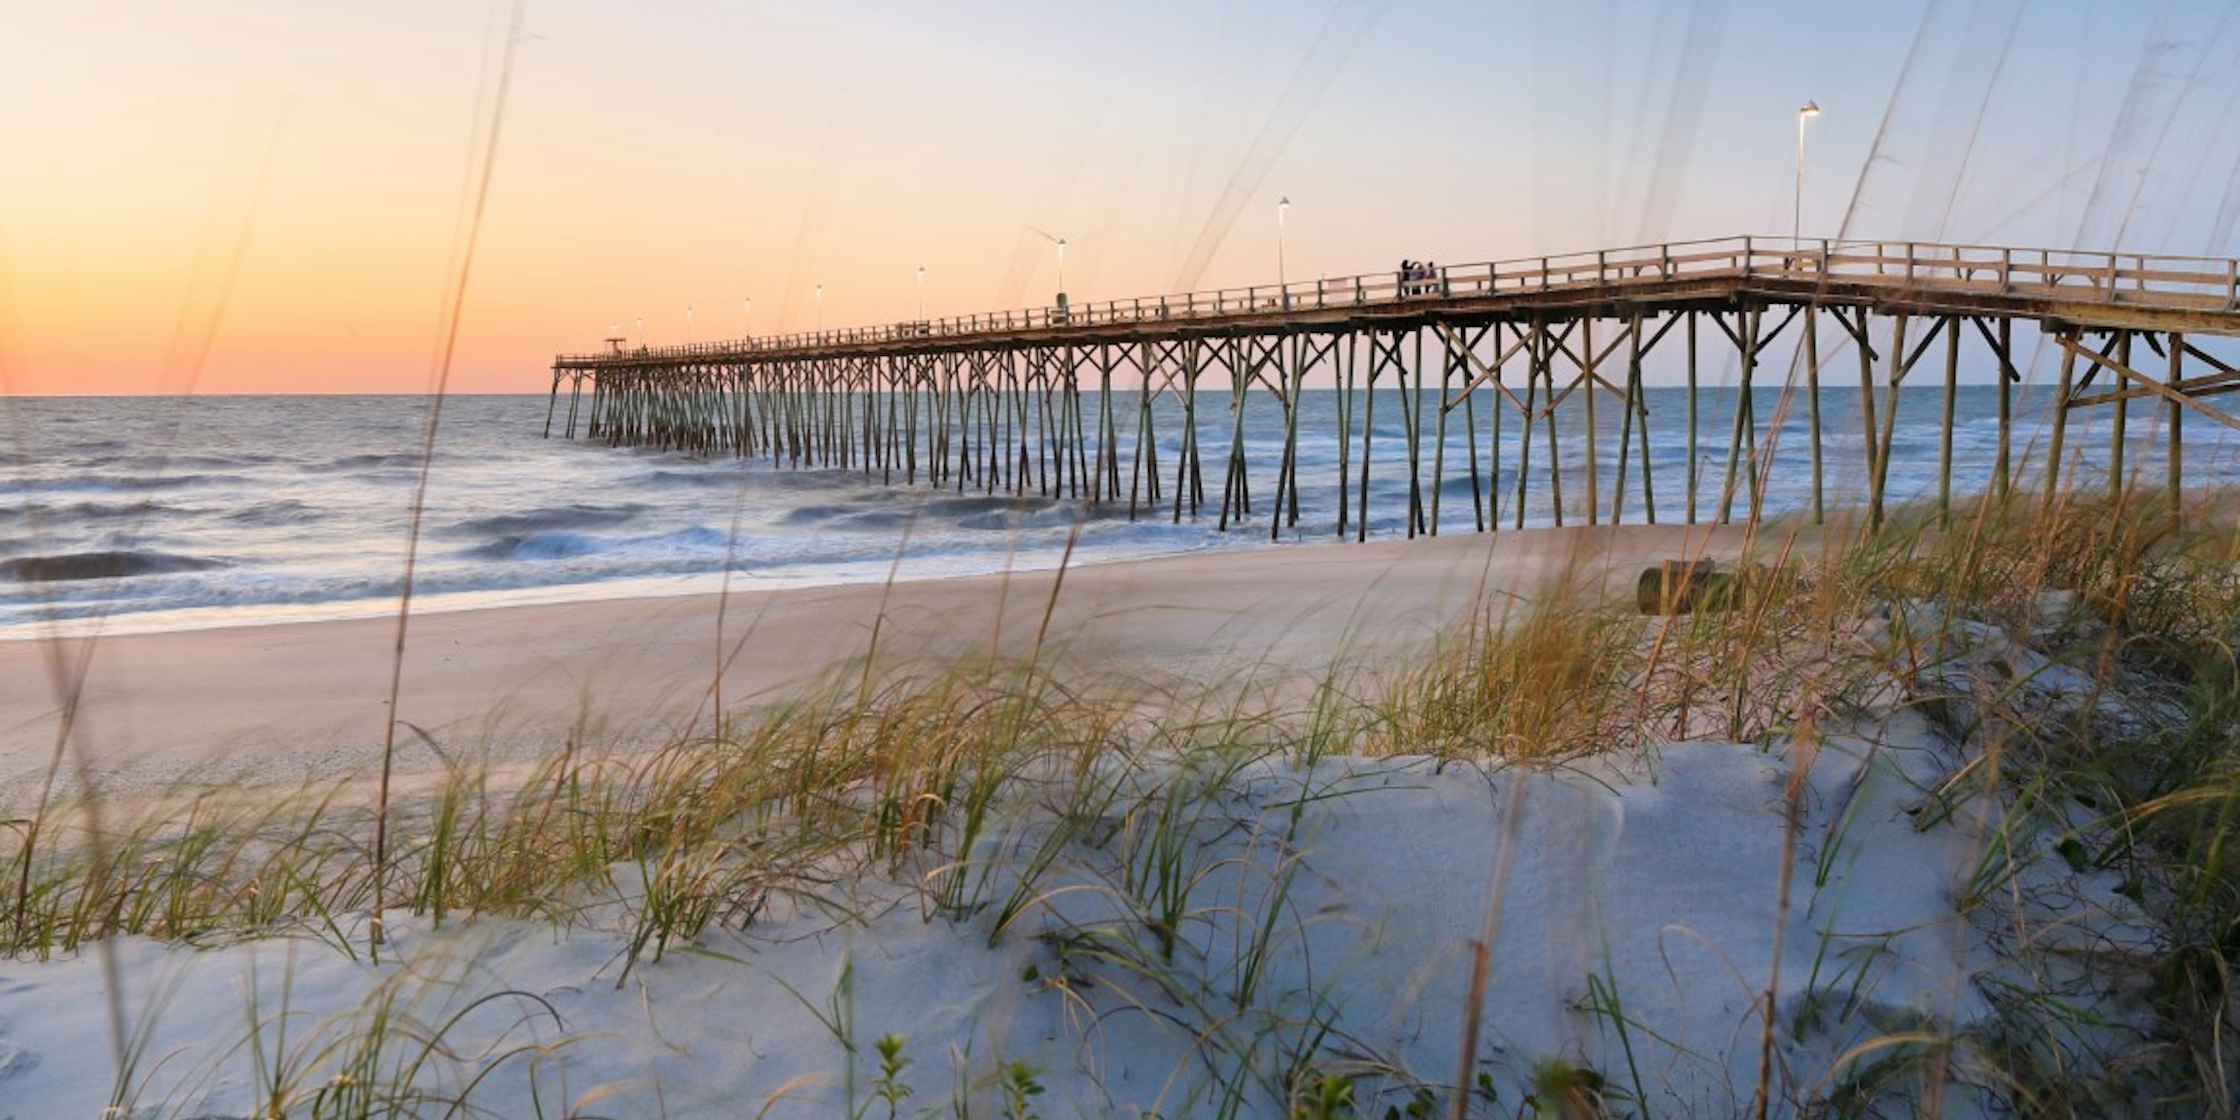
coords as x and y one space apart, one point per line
1688 586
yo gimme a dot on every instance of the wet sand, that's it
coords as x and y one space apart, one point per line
294 701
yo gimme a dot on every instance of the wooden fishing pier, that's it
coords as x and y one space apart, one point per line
1059 401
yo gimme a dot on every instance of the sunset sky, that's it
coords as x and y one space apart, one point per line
232 196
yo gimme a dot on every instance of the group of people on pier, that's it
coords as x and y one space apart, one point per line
1420 278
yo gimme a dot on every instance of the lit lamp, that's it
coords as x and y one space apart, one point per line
1060 242
1283 207
1796 218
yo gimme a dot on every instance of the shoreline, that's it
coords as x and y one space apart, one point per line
304 700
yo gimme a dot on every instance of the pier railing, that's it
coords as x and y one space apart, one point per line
2131 280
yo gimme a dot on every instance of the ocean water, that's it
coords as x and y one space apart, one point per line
129 514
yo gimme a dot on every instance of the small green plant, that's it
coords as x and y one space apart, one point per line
1565 1090
1324 1097
1020 1083
888 1088
1422 1104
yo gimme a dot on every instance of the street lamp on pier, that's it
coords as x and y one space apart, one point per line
921 293
1805 113
1060 242
1283 208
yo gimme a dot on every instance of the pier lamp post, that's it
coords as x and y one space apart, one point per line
820 309
1805 113
1283 208
921 293
688 324
1063 314
641 332
746 318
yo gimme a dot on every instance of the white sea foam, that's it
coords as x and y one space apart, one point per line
186 512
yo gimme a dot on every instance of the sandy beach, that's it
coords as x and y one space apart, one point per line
305 700
1216 920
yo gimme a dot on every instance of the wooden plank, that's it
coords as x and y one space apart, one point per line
1485 372
2152 386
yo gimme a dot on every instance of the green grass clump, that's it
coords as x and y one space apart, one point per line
2111 728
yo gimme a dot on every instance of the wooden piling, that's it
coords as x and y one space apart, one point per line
2175 469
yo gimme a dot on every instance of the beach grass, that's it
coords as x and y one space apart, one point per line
1143 848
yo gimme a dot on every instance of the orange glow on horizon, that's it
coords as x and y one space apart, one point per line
240 196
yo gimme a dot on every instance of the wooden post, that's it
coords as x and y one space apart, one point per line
2002 471
1188 478
1745 419
1411 426
1587 382
1287 365
946 417
1145 444
1108 430
1368 423
2176 466
1348 366
1459 363
2116 482
1240 389
1548 417
553 405
2069 344
1693 436
1493 439
1863 339
1625 426
1439 431
1951 393
1898 366
1195 461
1641 394
1526 417
890 439
1812 389
1083 480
